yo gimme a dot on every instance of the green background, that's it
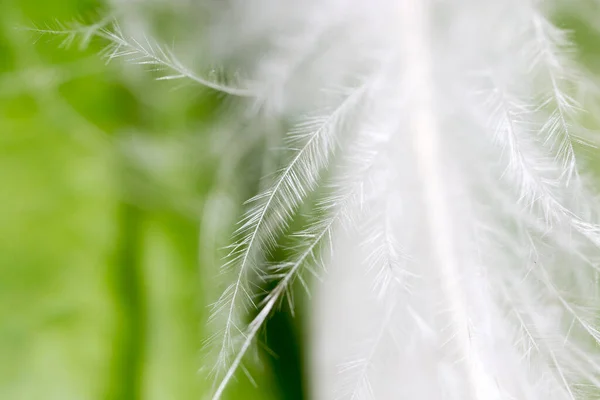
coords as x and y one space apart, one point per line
111 221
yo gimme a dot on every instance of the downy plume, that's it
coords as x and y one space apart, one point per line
444 143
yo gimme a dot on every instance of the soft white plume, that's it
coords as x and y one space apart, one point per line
443 139
470 250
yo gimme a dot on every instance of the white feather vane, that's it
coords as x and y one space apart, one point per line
456 218
468 246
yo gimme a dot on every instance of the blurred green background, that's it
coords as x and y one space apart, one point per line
110 224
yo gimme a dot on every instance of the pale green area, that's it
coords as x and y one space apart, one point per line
104 176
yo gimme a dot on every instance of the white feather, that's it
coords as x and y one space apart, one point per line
457 221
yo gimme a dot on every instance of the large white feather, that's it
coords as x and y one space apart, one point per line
456 217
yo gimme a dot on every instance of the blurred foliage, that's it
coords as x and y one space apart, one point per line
105 272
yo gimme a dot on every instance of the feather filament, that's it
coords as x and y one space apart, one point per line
274 208
335 209
74 30
549 53
143 51
146 52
